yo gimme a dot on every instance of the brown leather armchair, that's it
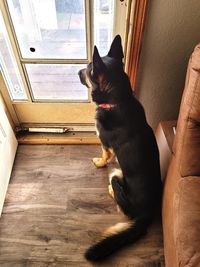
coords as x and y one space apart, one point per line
181 196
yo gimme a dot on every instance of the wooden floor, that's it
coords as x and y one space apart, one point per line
57 205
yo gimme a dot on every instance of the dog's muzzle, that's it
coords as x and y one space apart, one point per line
82 76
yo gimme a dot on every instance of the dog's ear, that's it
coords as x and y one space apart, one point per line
99 67
116 50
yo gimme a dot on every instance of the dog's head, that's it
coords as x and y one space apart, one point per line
106 77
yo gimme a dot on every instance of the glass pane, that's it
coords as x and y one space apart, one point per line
50 28
9 67
56 82
103 24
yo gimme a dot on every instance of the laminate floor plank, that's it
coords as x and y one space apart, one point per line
56 206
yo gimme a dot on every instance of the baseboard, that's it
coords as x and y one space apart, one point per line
76 138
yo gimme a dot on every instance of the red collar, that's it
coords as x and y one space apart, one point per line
106 106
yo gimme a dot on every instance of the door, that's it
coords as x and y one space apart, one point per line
47 42
8 146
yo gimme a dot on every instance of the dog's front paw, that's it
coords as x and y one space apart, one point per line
99 162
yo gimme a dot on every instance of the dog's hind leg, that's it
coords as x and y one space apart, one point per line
120 196
110 191
107 156
117 173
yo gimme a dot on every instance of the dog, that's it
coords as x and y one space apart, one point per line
125 134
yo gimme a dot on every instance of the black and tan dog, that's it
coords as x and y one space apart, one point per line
125 133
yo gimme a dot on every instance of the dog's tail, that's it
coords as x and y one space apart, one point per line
116 237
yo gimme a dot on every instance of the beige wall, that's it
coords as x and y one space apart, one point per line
172 30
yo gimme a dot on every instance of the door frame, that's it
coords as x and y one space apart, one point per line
136 32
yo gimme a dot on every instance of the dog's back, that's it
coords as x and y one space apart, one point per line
126 130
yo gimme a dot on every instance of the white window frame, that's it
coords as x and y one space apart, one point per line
121 9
